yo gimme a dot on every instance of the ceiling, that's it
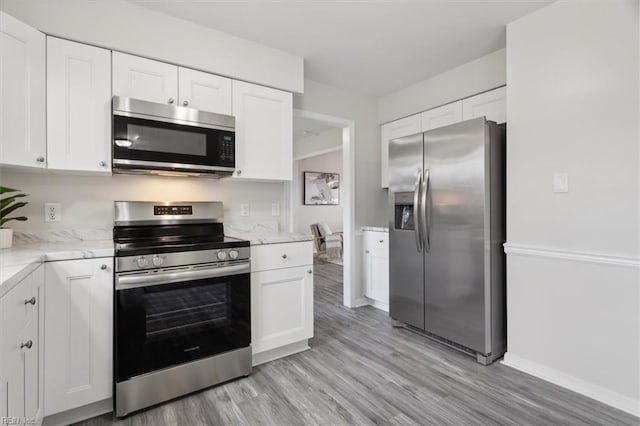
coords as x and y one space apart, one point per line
304 127
373 47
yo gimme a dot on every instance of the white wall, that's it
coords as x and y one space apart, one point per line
480 75
303 215
370 199
123 26
87 201
574 258
312 144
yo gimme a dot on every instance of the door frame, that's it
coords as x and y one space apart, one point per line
347 195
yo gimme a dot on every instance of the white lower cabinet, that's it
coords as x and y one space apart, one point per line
281 299
78 333
21 382
376 268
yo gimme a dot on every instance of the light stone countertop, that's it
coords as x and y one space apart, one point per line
260 238
375 228
20 260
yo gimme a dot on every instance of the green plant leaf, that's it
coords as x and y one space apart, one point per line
5 202
4 189
5 212
5 220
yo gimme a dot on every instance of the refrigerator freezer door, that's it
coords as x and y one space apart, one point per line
454 160
406 272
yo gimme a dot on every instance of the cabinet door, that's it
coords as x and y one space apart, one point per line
21 348
281 307
491 104
203 91
78 106
441 116
22 99
264 126
78 337
376 266
396 129
145 79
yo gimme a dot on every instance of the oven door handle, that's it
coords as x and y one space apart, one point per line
128 281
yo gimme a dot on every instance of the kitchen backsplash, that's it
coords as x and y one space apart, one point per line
87 201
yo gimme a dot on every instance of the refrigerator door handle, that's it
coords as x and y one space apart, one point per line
424 214
416 210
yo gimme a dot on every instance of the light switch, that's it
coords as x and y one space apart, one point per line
560 182
275 209
244 209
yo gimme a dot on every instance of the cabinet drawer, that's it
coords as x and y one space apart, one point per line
278 256
376 243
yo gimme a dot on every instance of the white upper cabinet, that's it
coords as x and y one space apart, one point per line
441 116
396 129
491 104
203 91
264 127
22 94
78 106
145 79
79 333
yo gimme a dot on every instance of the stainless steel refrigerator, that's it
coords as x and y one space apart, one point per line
446 230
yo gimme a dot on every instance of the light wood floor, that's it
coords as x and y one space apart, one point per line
361 370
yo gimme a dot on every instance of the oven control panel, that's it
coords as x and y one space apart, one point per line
172 210
178 259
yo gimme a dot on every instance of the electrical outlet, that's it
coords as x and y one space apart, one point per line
244 209
52 212
560 182
275 209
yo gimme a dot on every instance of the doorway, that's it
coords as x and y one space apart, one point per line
339 137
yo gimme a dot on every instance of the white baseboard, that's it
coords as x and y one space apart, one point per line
281 352
379 305
360 302
559 378
79 414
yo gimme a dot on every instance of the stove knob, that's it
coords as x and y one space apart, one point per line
222 255
233 254
142 261
157 261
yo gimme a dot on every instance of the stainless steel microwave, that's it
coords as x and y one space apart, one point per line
163 139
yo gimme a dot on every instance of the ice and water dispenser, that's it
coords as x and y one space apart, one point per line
403 211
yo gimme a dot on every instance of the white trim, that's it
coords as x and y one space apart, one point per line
524 250
559 378
281 352
378 304
347 193
360 302
320 152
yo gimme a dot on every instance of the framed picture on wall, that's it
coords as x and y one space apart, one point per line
321 189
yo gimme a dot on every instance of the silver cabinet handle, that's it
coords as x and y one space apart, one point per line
309 271
103 266
417 210
171 100
284 256
40 159
367 251
31 301
27 345
382 241
185 103
238 172
102 164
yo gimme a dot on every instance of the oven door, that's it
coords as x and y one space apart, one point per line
141 143
169 318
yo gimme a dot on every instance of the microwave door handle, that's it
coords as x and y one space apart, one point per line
416 211
128 281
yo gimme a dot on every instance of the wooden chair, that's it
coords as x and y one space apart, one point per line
320 237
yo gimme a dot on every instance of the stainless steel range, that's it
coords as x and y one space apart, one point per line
182 302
